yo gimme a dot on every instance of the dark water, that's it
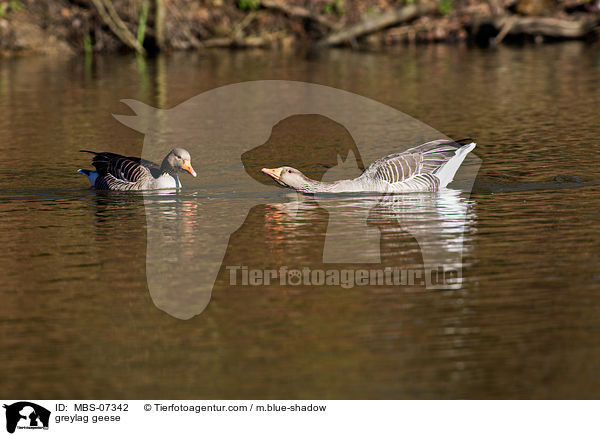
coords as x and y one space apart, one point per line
78 320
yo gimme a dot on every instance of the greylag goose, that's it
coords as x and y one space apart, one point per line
123 173
427 167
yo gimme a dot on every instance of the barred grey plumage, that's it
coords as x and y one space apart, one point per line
427 167
125 173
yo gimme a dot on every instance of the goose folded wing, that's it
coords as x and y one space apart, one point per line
425 159
395 168
124 168
123 173
435 154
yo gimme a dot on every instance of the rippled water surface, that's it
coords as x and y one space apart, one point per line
78 320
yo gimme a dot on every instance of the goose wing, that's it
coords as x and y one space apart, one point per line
417 165
117 172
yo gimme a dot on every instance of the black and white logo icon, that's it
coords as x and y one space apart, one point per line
26 415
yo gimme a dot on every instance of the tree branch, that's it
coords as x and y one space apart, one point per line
109 15
297 11
377 23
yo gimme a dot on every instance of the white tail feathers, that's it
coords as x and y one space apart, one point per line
447 171
92 175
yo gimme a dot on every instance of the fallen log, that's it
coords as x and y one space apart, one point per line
377 23
297 11
544 26
553 27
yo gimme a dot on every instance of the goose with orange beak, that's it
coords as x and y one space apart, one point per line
125 173
425 168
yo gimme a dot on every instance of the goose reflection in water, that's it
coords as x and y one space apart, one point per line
383 229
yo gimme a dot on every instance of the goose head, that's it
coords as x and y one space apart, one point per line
288 176
178 160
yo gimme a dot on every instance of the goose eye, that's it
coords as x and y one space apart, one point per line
289 171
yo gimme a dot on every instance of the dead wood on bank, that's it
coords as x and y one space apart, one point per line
377 23
297 11
544 26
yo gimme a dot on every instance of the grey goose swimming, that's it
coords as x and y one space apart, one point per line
426 167
125 173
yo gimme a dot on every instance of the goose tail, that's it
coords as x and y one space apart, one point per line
448 170
91 175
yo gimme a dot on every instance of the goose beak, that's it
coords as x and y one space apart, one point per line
275 173
187 166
